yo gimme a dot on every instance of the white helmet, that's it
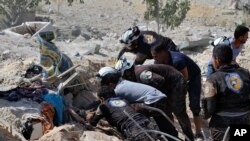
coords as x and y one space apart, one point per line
221 41
130 35
123 64
105 70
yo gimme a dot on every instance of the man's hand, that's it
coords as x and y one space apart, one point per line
90 115
137 106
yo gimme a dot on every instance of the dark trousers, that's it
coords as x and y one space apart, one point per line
218 124
177 101
163 124
134 133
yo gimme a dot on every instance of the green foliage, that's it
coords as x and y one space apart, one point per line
171 12
12 10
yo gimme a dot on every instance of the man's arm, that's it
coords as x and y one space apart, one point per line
185 73
140 58
209 100
152 79
96 117
124 49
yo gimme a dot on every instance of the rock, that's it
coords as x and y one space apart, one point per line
101 15
5 55
125 0
6 52
2 33
63 133
97 136
75 31
86 35
50 11
97 49
240 22
27 35
77 54
92 49
79 40
130 3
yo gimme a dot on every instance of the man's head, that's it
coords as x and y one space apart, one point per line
160 53
108 76
129 37
105 92
241 34
126 68
222 55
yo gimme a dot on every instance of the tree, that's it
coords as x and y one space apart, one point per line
13 10
170 13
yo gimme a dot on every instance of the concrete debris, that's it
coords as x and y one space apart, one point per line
97 136
92 49
75 31
86 35
67 132
192 44
32 28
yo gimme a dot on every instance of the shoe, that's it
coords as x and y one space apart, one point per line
198 137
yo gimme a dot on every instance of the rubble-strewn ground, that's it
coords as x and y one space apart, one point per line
99 24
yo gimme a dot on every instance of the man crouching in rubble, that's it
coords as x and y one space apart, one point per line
166 79
118 113
226 93
133 92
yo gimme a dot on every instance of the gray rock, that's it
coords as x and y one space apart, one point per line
5 55
6 52
77 54
92 49
130 3
75 31
97 136
101 15
86 35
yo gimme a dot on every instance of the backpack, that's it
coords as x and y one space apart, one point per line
221 41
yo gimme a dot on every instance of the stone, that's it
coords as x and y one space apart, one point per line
101 15
86 35
75 31
97 136
5 55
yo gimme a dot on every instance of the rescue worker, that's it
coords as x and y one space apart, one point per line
166 79
191 73
226 93
112 108
138 93
140 43
237 43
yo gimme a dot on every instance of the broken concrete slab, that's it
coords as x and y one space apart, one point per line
67 132
193 44
92 49
32 28
97 136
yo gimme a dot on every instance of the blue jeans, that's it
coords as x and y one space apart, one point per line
210 70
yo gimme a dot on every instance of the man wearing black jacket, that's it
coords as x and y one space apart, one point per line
115 110
140 43
226 93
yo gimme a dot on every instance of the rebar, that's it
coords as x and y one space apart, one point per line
142 130
171 122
